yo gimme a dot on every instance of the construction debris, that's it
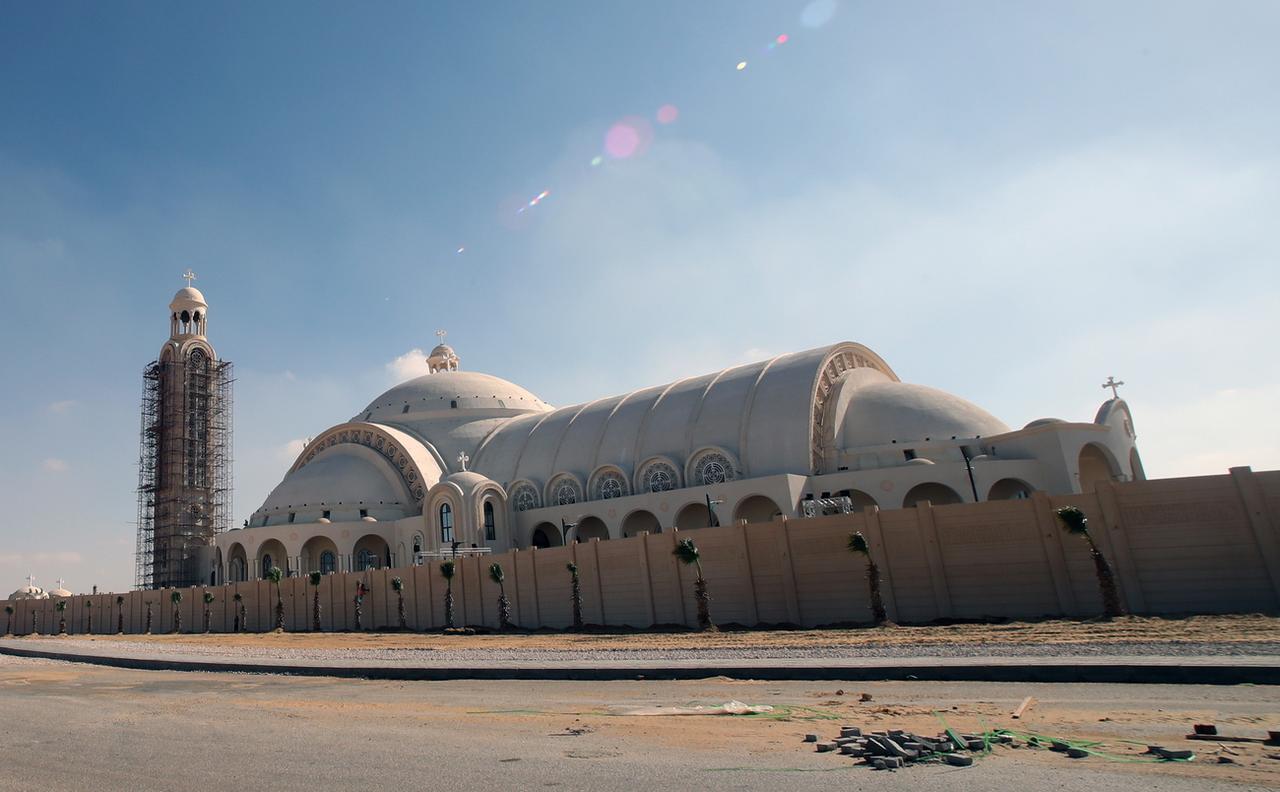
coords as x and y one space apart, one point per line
1023 707
892 749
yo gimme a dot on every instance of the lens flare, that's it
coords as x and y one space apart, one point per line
596 160
462 249
668 113
742 65
627 138
782 39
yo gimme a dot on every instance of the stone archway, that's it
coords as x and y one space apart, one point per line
546 535
237 564
312 552
370 552
860 499
271 553
639 521
692 517
932 491
1010 489
757 509
1095 464
589 528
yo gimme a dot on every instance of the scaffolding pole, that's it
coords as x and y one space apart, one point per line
184 470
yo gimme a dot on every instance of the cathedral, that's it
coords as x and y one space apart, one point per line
458 462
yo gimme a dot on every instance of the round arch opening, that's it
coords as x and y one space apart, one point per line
370 552
272 554
546 535
1010 489
314 558
591 528
637 522
1095 465
693 517
937 494
757 509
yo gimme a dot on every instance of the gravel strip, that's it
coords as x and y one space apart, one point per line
485 656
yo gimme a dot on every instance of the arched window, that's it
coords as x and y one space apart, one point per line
446 524
266 565
366 559
417 544
490 526
327 563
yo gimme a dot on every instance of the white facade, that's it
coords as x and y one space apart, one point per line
468 458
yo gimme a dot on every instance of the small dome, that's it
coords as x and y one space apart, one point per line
188 298
29 593
444 391
443 350
1043 422
467 480
60 592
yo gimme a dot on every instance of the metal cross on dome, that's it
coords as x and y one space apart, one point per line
60 583
189 275
1114 384
463 459
440 334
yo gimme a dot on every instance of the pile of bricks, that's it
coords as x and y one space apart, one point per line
895 748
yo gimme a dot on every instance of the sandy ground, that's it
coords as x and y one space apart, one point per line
1207 629
135 730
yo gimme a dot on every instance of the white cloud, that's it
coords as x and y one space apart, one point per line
409 365
60 407
1207 435
55 465
291 450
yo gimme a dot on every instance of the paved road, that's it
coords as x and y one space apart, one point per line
76 727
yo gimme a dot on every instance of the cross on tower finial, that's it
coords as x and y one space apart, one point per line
189 275
60 581
440 334
31 581
463 459
1114 384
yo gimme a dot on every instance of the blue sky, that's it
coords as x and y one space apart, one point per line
1007 200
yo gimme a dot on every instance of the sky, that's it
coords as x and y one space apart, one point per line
1009 201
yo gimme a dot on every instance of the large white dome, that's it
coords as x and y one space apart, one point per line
444 391
879 411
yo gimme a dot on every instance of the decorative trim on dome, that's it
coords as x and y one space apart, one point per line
843 358
375 438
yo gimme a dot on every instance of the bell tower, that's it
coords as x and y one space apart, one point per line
184 460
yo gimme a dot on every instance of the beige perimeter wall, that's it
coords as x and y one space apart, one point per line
1195 545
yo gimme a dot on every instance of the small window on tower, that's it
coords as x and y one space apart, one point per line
291 516
364 513
325 514
405 410
909 454
453 404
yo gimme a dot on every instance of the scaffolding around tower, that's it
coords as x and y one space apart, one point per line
184 469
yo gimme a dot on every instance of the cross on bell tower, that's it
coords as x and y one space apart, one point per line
189 275
1114 384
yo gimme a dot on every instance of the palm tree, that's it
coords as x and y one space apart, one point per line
208 614
35 622
239 623
88 612
61 607
858 544
504 605
447 571
361 590
176 599
120 615
687 552
398 585
148 617
1074 521
8 622
314 577
274 574
575 594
